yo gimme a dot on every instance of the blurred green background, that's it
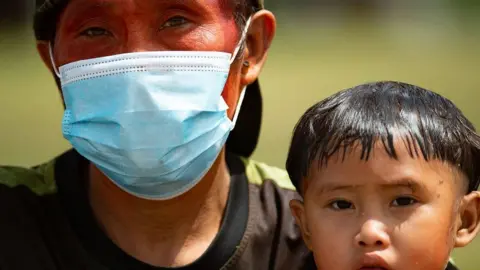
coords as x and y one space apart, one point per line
321 47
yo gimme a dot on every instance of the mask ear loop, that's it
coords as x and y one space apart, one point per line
234 55
52 60
239 105
242 39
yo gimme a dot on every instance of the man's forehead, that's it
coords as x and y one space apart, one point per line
40 3
89 6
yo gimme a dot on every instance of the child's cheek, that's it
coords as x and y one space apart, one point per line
431 251
331 241
431 260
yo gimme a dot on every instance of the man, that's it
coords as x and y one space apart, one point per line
152 89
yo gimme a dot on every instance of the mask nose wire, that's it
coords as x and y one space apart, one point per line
242 39
52 60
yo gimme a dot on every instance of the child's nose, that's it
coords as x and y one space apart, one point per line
373 234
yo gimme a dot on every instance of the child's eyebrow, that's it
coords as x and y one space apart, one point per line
412 184
405 182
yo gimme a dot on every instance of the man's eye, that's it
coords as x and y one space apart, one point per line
341 205
174 22
95 32
404 201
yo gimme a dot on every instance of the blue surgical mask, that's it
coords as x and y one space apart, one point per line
153 122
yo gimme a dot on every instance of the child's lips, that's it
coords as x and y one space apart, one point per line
372 261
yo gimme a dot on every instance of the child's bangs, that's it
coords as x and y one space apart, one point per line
384 114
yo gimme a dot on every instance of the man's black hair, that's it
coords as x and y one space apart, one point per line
430 125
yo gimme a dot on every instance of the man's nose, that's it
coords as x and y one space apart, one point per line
373 234
143 46
141 39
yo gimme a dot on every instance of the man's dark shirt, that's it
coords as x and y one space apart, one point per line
47 223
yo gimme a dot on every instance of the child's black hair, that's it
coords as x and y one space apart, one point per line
430 125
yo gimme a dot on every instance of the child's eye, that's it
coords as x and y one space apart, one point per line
404 201
95 32
341 205
174 22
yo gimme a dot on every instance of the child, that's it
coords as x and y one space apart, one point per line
388 173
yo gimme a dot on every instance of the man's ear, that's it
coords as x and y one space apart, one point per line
298 211
468 219
259 38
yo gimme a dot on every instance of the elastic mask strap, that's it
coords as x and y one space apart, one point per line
53 61
239 106
242 39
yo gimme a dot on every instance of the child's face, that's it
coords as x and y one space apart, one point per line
384 213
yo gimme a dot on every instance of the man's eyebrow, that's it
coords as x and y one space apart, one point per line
87 6
93 3
178 1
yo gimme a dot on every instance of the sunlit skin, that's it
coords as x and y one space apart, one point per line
180 229
396 214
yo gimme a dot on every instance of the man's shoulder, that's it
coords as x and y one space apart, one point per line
34 228
39 180
451 265
270 220
258 173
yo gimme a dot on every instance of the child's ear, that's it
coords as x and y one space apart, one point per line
298 211
469 219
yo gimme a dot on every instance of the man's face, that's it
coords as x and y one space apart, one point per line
96 28
383 213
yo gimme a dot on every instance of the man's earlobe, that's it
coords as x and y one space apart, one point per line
298 211
245 67
469 219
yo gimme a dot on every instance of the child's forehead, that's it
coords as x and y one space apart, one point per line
381 168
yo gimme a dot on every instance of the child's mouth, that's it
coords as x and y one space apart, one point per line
373 261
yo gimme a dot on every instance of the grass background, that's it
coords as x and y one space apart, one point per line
313 56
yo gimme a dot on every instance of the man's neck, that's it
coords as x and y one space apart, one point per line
181 229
